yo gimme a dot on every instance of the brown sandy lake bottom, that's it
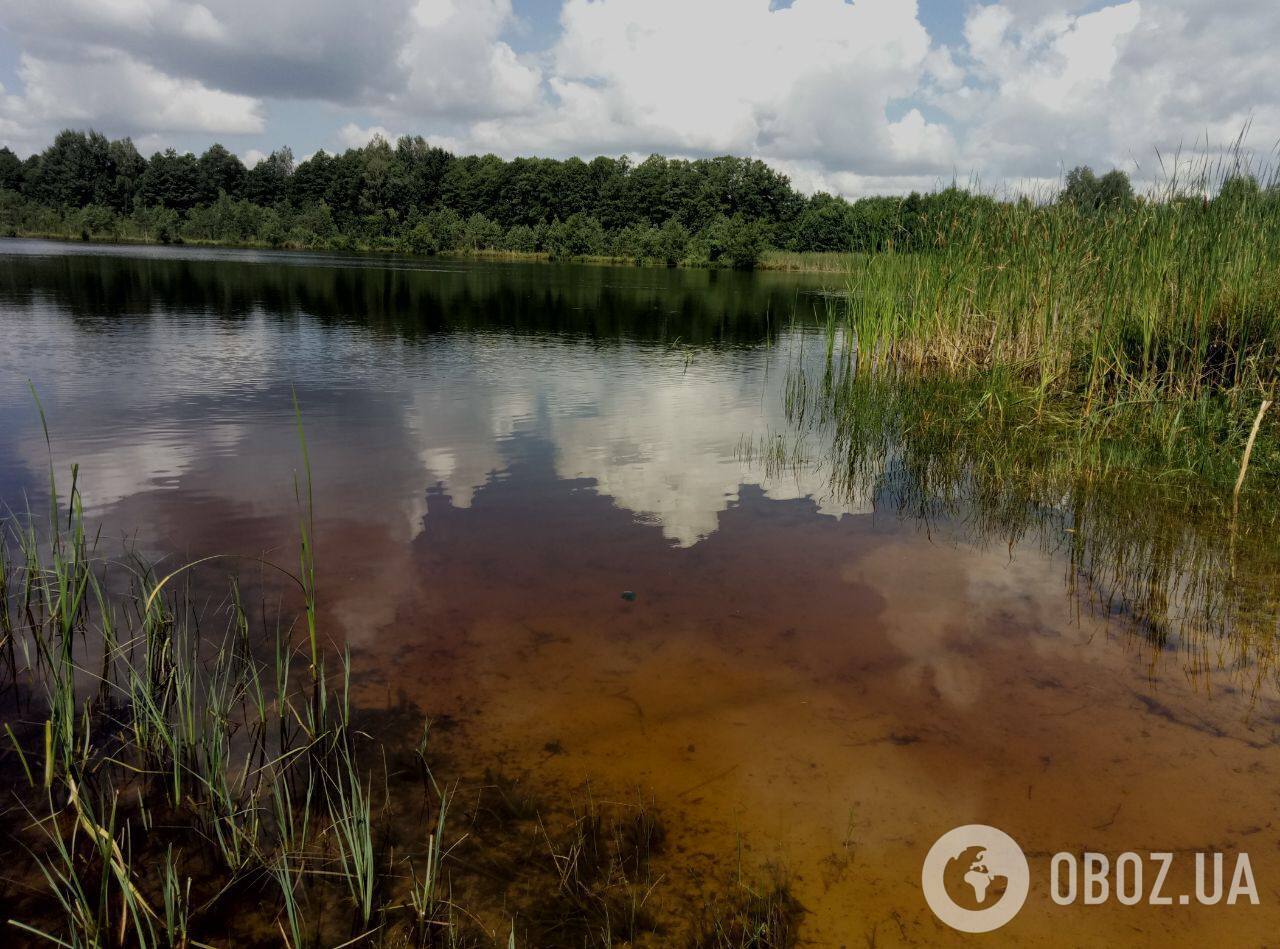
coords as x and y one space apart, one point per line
499 452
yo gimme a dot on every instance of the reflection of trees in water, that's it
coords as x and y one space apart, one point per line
416 298
1154 550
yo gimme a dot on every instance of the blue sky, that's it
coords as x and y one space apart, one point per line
855 97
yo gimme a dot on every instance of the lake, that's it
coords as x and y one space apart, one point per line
820 676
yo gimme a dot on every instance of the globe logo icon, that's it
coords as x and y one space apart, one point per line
975 878
971 883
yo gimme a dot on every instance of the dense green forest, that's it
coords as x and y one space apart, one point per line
416 198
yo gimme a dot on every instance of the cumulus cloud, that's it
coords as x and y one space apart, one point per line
352 135
860 98
287 48
1110 85
109 88
455 63
854 96
189 67
813 80
1036 89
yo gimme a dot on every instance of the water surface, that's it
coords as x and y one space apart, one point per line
500 450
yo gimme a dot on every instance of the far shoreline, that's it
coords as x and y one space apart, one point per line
777 261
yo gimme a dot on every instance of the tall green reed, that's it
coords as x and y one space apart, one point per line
1171 298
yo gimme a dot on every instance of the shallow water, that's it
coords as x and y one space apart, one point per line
499 451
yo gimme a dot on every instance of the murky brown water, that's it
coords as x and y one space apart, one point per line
499 452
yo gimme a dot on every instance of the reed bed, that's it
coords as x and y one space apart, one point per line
1100 379
810 261
1173 296
1159 319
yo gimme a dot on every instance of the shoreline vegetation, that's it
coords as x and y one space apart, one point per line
1145 338
814 262
417 199
414 198
188 768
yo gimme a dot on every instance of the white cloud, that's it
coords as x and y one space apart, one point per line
191 67
815 79
855 96
1037 88
1047 88
352 135
859 99
109 88
456 64
288 48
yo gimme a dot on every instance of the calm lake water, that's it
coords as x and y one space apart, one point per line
500 450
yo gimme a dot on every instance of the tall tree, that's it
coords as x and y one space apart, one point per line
312 181
1114 190
825 224
1088 192
267 182
129 168
423 167
1239 188
171 180
75 171
10 170
221 172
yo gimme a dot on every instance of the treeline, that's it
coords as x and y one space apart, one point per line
417 198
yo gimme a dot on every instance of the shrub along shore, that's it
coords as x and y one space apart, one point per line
769 259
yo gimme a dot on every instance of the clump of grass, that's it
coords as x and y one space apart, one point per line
503 800
759 914
171 774
601 878
426 899
835 262
1159 320
1174 295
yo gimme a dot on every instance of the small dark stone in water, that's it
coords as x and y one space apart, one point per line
629 595
553 747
